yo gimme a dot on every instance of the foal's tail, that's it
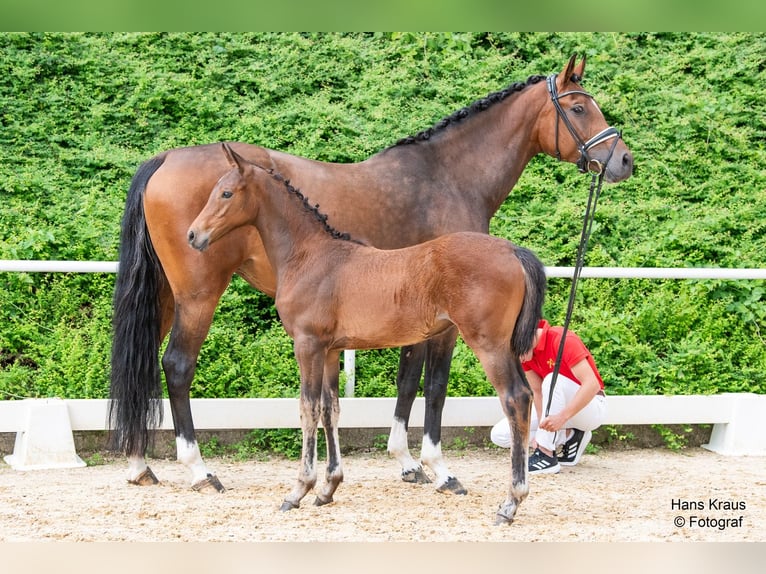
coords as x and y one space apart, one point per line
135 408
536 284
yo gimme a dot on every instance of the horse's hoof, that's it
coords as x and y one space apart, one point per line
210 484
287 505
452 486
501 519
146 478
319 501
416 476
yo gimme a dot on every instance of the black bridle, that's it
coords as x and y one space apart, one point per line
585 163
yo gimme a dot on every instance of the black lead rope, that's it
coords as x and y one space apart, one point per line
587 226
584 164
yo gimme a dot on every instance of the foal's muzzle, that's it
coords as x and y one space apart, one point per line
197 242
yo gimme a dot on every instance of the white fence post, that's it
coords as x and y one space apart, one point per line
349 367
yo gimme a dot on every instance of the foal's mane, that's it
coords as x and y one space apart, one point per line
312 209
468 111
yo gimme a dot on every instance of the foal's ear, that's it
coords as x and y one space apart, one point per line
231 156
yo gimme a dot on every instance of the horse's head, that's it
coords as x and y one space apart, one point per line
573 128
231 204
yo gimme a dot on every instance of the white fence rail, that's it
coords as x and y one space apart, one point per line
736 418
23 265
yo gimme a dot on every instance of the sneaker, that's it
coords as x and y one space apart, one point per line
572 450
541 463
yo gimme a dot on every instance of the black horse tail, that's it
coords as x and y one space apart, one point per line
135 406
536 284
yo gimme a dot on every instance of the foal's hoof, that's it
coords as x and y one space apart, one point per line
505 513
146 478
319 501
452 486
287 505
416 476
210 484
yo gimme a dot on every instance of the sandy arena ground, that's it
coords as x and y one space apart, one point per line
609 497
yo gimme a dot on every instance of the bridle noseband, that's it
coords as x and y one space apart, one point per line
585 163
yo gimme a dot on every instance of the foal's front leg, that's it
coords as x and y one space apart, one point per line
311 363
330 415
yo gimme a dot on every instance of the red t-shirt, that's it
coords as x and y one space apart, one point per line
544 354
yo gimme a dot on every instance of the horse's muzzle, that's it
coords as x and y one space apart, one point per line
619 168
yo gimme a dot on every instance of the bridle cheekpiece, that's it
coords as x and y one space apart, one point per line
585 163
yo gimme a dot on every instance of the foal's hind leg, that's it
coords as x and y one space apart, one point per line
506 375
330 414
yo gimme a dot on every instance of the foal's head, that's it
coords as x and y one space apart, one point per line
572 128
231 204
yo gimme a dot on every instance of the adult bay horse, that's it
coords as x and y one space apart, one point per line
335 294
451 177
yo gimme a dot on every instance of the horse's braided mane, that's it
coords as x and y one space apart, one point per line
313 209
470 110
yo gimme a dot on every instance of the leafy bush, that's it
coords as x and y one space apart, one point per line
79 112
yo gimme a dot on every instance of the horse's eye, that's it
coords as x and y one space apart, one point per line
578 109
227 194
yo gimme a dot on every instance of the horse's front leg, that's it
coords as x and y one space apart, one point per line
411 362
330 415
311 361
191 325
438 360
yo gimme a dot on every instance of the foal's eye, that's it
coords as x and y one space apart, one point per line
227 194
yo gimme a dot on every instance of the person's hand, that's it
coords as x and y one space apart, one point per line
552 423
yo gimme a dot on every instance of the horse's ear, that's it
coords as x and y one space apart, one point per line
578 72
566 74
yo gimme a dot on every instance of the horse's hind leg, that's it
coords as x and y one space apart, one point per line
139 472
192 323
438 359
330 414
411 362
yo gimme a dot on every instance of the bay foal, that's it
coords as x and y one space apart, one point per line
334 293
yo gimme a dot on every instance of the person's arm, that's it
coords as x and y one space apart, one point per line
589 387
536 383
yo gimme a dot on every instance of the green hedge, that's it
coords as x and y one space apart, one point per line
79 112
